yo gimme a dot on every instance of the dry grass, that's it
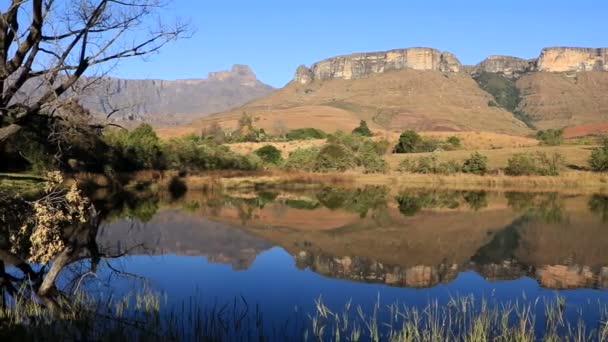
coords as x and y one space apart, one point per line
421 100
285 146
573 182
574 155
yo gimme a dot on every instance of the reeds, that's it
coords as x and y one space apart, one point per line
143 317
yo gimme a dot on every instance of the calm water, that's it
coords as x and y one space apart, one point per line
284 249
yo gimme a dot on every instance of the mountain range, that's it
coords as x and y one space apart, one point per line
412 88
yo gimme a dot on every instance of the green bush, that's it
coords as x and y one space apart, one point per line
454 141
306 134
476 164
303 159
141 147
194 153
550 137
599 158
269 154
370 160
531 164
335 157
409 141
363 129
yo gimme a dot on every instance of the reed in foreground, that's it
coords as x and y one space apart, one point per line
142 318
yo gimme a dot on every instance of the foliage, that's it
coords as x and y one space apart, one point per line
409 141
56 210
140 148
303 159
406 165
534 164
454 141
363 130
269 154
335 157
599 157
306 134
550 137
360 200
505 93
411 201
365 152
476 164
192 152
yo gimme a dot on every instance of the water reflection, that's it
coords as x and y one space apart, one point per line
416 238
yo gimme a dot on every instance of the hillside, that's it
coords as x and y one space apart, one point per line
418 99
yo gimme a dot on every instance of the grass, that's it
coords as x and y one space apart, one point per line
577 156
142 317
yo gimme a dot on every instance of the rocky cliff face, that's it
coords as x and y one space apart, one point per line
572 59
174 102
509 66
360 65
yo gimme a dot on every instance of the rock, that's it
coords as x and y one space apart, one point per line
360 65
511 67
572 59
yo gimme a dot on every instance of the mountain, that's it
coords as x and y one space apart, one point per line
426 89
162 102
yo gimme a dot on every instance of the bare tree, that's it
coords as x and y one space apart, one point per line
51 44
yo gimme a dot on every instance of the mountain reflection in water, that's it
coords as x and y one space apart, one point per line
413 238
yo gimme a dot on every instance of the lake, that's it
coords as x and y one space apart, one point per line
280 250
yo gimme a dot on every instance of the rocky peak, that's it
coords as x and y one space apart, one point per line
572 59
360 65
509 66
239 72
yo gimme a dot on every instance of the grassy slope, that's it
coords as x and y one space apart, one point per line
421 100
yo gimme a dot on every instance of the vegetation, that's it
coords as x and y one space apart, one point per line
599 157
269 154
412 142
335 157
550 137
305 134
505 93
476 164
140 148
302 159
534 164
363 130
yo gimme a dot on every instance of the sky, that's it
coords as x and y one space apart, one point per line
273 37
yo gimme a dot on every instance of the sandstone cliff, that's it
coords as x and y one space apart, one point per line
572 59
360 65
506 65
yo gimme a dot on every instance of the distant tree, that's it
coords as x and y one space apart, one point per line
476 164
599 157
269 154
408 142
551 137
363 129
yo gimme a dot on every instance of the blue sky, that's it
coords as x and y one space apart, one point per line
274 37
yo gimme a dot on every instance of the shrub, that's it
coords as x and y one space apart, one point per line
427 164
140 147
371 161
363 129
269 154
335 157
550 137
408 142
192 152
528 164
599 158
306 134
406 165
454 141
428 145
476 164
449 167
303 159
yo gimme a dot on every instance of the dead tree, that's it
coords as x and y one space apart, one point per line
49 45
